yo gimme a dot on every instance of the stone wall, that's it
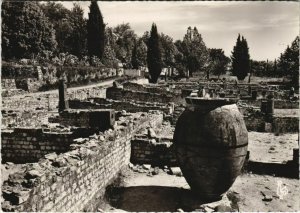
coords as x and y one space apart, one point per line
100 119
98 103
285 124
45 101
21 118
273 124
128 95
23 145
8 84
278 104
157 152
32 78
76 180
256 124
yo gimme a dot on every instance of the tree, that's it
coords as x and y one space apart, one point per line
95 31
109 56
240 58
169 50
154 59
195 53
25 30
288 63
219 61
79 33
70 28
125 40
58 15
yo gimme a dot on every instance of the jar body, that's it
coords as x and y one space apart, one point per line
211 147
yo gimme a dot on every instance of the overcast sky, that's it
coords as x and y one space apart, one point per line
268 26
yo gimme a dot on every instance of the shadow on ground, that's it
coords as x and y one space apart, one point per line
152 199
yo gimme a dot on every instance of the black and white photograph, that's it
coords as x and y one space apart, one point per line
150 106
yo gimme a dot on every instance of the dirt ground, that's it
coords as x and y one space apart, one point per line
164 192
267 147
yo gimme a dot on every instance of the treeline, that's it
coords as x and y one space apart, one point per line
52 33
287 65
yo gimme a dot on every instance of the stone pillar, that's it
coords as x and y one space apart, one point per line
254 94
63 102
267 106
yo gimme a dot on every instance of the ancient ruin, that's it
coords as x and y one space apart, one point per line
63 159
102 115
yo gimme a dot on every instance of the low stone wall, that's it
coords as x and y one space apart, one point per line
21 118
285 124
128 95
100 119
76 180
98 103
23 145
272 124
256 124
45 101
157 152
8 84
278 104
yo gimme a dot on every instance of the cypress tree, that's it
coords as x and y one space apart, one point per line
95 31
154 58
240 58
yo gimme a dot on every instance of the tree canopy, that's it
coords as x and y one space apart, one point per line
288 63
219 61
195 53
26 31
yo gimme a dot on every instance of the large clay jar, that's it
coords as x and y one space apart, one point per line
211 142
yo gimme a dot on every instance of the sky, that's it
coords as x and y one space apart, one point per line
268 26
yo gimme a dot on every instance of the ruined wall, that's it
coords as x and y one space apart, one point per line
21 118
151 151
128 95
100 119
256 124
272 124
45 101
117 105
75 180
23 145
278 104
285 124
8 84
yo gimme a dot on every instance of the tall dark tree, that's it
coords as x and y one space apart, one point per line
95 31
240 58
26 31
154 57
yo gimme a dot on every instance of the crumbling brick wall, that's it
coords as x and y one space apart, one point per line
76 180
23 145
128 95
285 124
8 84
118 105
151 151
